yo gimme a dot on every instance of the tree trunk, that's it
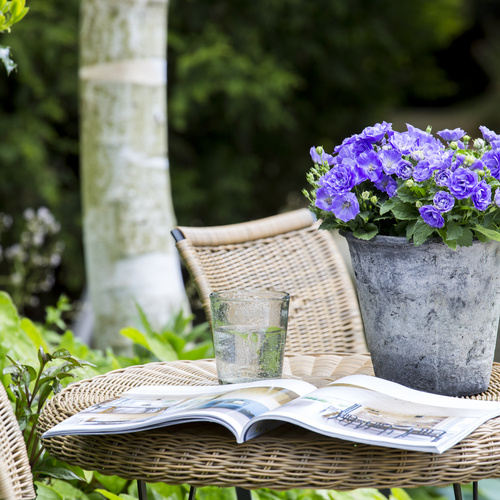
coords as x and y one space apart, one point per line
127 207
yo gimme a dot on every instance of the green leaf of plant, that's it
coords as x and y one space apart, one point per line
367 232
422 232
387 206
466 239
453 231
493 235
45 492
112 496
58 472
114 484
406 195
410 229
162 349
144 319
405 211
33 333
329 224
136 336
399 494
481 237
201 351
176 341
68 491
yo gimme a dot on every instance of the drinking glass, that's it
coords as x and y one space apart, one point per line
249 334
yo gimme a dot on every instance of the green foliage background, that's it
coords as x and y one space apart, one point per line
252 86
252 89
39 126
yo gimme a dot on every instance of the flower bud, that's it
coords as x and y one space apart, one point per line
374 199
479 143
469 160
453 145
466 139
419 204
480 173
429 129
410 183
365 195
319 150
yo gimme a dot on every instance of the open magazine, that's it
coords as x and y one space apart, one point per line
357 408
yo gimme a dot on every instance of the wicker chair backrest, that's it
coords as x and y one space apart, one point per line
16 480
283 252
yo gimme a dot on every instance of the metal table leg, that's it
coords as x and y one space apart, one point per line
141 488
241 494
457 489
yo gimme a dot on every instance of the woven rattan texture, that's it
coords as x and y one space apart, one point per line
284 252
288 457
16 481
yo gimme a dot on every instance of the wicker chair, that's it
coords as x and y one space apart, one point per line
16 481
283 252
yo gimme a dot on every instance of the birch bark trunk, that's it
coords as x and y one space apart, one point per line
127 208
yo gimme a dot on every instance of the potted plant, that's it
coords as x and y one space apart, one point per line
421 215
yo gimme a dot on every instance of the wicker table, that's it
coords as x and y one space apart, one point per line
285 458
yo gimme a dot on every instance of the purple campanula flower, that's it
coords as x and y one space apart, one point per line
481 197
358 171
431 216
492 160
451 135
340 179
443 201
353 149
324 199
457 162
497 197
345 206
372 166
402 142
320 159
346 142
390 159
442 177
442 160
478 165
495 144
425 143
463 182
422 171
404 169
415 132
377 132
488 134
387 185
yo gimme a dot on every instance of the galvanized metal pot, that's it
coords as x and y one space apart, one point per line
430 313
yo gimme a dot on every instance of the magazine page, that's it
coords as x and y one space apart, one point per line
374 411
149 407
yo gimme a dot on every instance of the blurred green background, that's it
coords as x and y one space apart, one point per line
251 87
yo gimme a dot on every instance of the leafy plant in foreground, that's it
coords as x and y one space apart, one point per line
178 339
31 388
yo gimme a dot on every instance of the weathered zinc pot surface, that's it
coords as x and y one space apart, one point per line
430 313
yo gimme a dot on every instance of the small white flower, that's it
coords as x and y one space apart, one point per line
16 278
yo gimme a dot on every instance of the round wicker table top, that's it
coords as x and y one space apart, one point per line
202 454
